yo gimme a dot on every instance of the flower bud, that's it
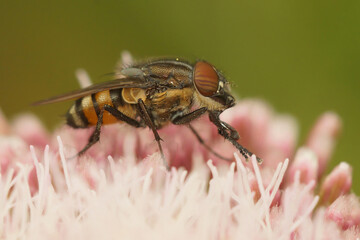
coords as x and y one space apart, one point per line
31 130
322 138
337 183
306 163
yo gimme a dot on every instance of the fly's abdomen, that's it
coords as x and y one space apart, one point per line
85 111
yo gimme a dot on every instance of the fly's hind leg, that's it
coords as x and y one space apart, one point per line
95 136
144 114
121 117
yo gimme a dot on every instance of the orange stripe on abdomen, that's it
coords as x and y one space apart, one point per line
89 111
103 98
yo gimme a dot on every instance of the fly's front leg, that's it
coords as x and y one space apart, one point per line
230 134
233 133
223 127
144 114
187 118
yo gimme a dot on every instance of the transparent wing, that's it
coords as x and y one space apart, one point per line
126 82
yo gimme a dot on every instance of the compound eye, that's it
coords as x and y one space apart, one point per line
206 79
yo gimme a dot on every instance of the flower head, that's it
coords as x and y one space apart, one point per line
121 189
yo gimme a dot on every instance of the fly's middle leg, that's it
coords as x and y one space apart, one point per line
202 142
144 114
187 118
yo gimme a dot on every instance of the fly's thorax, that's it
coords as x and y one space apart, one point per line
173 72
171 99
164 104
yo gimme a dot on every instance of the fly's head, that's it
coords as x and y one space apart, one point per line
212 89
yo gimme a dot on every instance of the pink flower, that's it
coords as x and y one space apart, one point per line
121 189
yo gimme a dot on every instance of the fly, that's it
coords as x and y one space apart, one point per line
154 94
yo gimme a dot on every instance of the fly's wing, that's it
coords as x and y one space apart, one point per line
125 82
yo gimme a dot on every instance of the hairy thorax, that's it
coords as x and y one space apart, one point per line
163 105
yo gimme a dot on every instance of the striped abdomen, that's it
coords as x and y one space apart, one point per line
85 111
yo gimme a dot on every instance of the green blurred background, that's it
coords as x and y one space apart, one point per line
300 56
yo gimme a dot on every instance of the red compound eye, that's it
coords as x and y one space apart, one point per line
206 79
